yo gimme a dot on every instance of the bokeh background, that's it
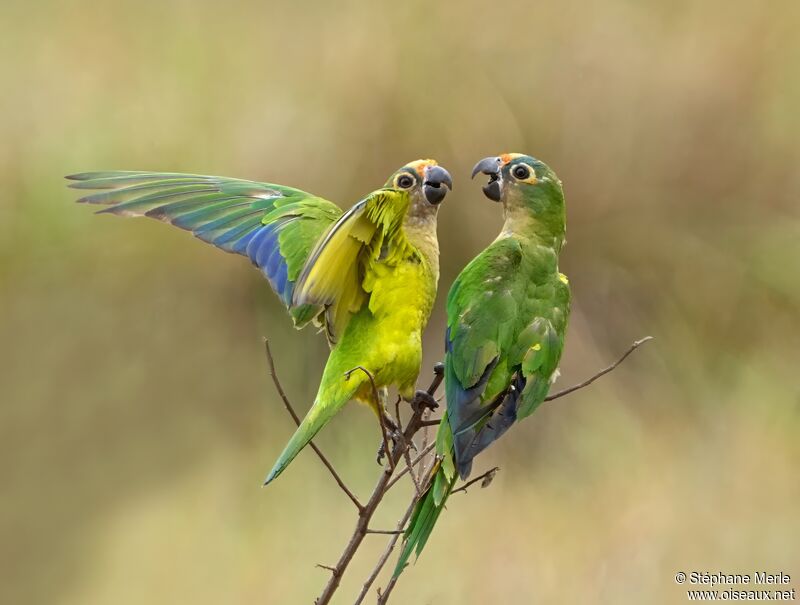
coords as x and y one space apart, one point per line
137 418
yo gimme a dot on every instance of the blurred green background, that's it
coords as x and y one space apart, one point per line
137 418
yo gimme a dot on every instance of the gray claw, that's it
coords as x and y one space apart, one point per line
424 399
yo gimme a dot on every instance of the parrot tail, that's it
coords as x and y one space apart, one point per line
333 394
317 417
430 505
426 513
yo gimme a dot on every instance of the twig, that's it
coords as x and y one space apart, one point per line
397 413
328 567
410 467
603 372
296 419
384 596
384 531
425 435
485 479
434 422
387 552
378 406
365 515
414 462
390 546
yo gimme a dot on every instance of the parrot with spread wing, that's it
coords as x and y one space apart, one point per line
506 320
367 276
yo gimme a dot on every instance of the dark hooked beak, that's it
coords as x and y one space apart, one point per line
491 166
437 184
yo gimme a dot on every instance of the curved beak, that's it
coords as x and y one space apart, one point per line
491 166
436 185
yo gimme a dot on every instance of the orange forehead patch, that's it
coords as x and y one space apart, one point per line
420 165
505 158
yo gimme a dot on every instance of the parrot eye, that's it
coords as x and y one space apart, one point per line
521 172
405 181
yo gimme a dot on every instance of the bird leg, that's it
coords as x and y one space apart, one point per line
392 432
390 428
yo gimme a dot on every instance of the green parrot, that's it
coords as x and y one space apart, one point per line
367 276
506 319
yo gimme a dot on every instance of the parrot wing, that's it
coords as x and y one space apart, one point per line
333 275
481 309
276 227
530 357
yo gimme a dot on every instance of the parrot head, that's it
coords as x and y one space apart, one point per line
513 173
426 183
527 187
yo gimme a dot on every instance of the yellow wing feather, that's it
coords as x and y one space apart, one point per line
334 272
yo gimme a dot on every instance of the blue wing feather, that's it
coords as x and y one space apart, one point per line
238 216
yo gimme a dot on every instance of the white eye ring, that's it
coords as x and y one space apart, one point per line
404 181
521 172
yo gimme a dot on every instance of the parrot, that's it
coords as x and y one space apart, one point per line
507 315
367 277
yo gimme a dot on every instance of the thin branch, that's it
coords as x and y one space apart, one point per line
603 372
387 552
384 531
425 435
296 419
378 406
383 597
434 422
360 530
365 515
414 462
397 413
328 567
390 547
485 479
410 468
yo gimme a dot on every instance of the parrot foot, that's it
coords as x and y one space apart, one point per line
423 399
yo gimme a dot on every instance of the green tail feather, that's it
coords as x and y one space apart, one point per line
334 392
424 517
317 417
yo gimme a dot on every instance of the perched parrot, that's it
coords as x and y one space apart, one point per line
368 276
506 319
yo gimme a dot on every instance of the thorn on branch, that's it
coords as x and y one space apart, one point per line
333 570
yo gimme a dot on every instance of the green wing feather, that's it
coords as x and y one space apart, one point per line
482 311
276 227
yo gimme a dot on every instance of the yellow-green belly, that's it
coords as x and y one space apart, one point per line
386 337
